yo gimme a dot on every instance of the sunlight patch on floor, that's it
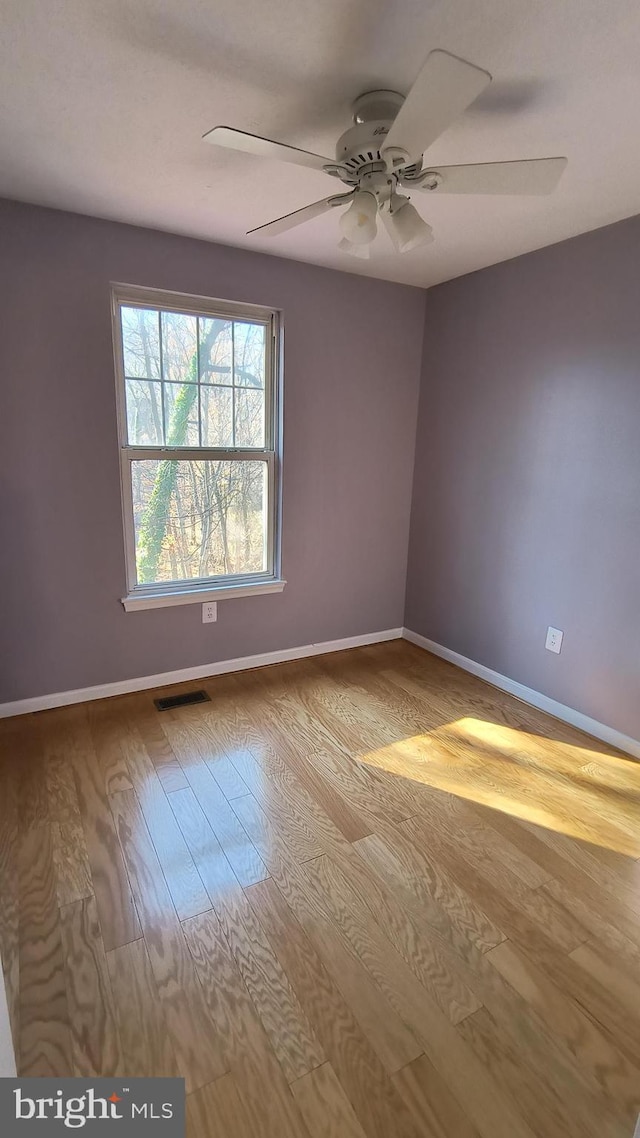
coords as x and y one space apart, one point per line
584 794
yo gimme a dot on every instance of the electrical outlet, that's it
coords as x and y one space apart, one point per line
209 612
553 643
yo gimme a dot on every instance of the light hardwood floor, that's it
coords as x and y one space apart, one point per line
359 896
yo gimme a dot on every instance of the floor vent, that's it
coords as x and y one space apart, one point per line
181 700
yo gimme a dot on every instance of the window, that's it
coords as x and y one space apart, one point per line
199 438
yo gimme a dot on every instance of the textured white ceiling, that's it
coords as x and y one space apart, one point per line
103 104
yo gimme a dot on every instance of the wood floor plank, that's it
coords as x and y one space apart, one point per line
408 716
44 1038
308 831
601 1005
324 1105
392 1040
523 914
377 1104
348 821
257 1073
94 1034
591 921
273 788
218 1111
213 865
34 809
200 735
116 910
185 884
247 864
227 776
515 1015
292 719
608 1068
289 740
581 858
467 1079
486 845
434 1108
219 732
356 694
611 973
73 872
285 1023
581 892
106 723
405 965
361 787
568 930
280 716
283 1019
140 711
567 858
427 889
554 1107
147 1048
527 838
195 1041
58 771
342 715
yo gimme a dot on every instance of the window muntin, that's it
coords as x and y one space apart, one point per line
198 423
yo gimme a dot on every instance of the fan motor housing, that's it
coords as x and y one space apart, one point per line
358 151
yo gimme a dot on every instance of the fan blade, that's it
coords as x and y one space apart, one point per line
443 90
532 176
264 147
307 213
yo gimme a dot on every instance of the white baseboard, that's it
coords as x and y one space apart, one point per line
535 698
163 679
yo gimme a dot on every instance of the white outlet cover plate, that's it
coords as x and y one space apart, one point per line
209 612
553 643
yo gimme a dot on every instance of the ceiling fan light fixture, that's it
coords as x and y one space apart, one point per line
385 147
358 222
405 227
362 251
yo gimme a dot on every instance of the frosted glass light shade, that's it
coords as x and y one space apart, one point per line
406 228
358 223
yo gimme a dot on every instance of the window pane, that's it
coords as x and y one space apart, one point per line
248 354
249 418
140 342
216 352
198 519
217 411
144 412
179 347
181 414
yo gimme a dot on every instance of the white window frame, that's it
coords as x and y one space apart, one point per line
161 594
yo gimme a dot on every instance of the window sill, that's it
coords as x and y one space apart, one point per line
133 602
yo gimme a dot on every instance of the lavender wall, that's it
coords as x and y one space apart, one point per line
352 363
526 502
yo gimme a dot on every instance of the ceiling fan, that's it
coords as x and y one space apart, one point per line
383 153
